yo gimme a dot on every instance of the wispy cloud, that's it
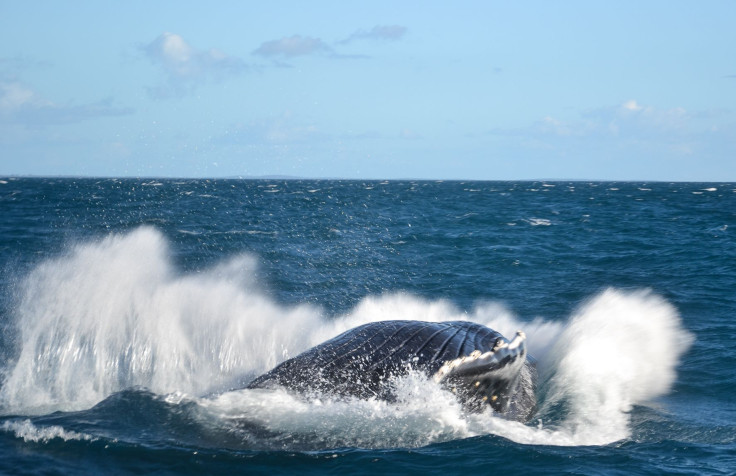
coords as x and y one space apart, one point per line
410 134
626 119
634 119
630 126
20 104
292 46
20 63
378 32
187 66
274 130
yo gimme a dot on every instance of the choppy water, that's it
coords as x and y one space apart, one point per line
132 312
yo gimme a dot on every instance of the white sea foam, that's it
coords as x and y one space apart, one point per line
31 433
424 414
538 222
114 314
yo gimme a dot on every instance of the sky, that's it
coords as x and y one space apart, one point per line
491 90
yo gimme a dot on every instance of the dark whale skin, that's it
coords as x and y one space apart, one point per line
362 361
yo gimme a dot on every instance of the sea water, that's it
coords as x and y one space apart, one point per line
134 311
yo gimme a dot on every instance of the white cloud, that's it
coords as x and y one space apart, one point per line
640 120
627 130
14 95
20 104
629 118
186 65
174 51
292 46
631 105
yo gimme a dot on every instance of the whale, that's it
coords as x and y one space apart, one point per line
481 367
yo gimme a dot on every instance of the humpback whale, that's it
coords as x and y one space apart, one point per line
479 365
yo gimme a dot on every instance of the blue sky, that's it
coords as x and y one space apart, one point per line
417 89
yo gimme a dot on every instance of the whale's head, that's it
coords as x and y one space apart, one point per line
493 378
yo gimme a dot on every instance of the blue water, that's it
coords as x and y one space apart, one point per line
133 311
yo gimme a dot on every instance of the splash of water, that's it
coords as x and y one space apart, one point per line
619 350
115 314
424 414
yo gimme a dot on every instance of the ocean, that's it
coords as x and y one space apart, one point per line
134 311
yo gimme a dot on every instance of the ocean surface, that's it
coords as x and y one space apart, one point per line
133 312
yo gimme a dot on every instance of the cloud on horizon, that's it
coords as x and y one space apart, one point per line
273 130
628 125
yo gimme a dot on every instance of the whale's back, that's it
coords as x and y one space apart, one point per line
360 360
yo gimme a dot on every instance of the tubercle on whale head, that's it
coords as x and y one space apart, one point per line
477 360
489 378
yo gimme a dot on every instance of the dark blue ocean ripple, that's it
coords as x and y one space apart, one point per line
540 248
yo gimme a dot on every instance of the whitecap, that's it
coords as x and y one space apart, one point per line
31 433
538 222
